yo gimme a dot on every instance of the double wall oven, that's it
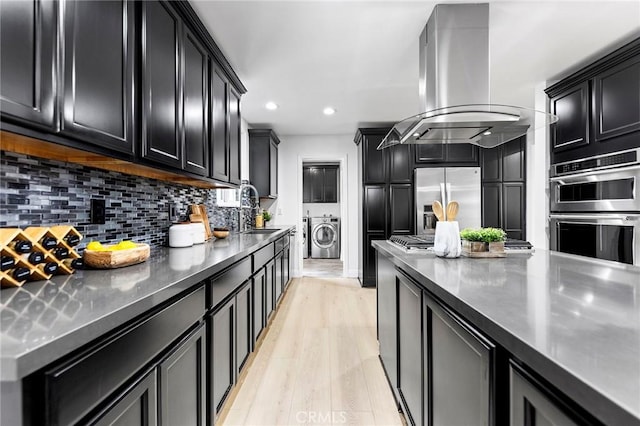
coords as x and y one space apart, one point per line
595 207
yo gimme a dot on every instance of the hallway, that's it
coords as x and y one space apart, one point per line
318 363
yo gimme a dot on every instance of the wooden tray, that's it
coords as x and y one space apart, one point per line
116 258
483 254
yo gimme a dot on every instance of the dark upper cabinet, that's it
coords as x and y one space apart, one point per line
183 382
195 105
374 162
137 406
234 136
409 331
27 61
616 109
263 161
598 107
161 89
98 73
400 204
400 163
572 108
219 126
492 204
447 153
320 184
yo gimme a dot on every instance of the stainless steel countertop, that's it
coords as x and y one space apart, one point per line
45 320
574 320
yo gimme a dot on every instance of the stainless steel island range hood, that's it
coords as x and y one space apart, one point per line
455 85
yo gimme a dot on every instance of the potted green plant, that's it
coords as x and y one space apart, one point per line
483 239
266 216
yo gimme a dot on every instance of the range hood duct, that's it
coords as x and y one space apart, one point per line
454 86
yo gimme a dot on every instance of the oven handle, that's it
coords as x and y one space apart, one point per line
571 177
625 217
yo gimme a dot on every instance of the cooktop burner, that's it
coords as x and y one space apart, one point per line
425 242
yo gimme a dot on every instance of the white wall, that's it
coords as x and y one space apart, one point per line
287 209
244 150
321 209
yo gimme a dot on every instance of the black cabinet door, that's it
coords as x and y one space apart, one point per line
244 325
219 126
513 160
375 208
492 204
138 406
270 297
161 92
462 153
400 204
369 258
306 184
572 108
430 153
317 184
400 163
27 65
286 267
259 317
374 160
491 164
514 207
234 136
182 382
410 348
97 72
387 319
330 185
531 407
273 169
617 101
195 100
279 276
461 371
222 350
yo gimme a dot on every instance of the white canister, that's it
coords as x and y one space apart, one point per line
446 242
198 232
180 235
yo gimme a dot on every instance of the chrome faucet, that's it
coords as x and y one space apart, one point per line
243 225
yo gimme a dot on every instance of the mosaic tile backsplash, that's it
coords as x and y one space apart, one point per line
40 192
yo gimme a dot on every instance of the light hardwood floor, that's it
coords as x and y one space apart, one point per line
318 362
325 268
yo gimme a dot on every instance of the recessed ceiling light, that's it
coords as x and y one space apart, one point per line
329 111
487 133
416 135
271 106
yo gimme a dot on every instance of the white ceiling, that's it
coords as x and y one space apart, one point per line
361 57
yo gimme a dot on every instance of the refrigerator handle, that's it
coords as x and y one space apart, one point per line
448 194
443 198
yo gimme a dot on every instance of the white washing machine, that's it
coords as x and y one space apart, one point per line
325 238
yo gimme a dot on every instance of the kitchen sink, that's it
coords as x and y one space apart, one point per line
262 231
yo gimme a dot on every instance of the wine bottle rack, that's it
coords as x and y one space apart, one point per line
35 234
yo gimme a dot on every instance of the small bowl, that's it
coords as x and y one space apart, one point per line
220 233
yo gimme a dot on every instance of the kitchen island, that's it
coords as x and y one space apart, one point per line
511 340
111 328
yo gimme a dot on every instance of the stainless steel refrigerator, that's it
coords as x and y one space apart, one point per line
461 184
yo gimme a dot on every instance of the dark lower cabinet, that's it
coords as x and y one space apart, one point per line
375 216
410 378
183 382
270 292
27 61
369 259
137 406
286 267
529 406
278 281
386 300
161 92
244 325
259 290
222 372
400 204
461 371
98 73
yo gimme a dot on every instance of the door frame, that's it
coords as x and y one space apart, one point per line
343 197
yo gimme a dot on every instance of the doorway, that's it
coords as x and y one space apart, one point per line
322 207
